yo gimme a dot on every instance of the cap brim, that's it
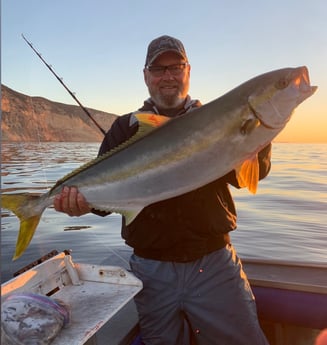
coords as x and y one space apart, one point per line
166 51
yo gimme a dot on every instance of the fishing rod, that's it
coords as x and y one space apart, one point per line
64 85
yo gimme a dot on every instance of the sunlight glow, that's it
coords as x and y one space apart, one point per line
15 285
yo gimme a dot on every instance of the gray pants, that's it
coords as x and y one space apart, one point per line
211 295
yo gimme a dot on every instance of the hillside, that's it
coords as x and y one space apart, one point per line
26 118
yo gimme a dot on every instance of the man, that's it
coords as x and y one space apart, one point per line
182 253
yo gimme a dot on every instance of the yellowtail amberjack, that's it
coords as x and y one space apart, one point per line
169 157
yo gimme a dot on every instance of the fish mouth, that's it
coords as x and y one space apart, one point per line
297 88
302 81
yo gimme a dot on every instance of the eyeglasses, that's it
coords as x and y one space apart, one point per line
159 71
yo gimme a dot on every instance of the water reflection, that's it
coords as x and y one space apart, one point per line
37 166
286 219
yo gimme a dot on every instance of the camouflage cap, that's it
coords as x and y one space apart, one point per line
162 45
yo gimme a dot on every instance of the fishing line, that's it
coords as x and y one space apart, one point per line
86 112
43 166
110 247
117 254
44 173
65 86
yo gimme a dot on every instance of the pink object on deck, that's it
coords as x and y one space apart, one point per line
322 338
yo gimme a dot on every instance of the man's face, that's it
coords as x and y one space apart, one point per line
168 90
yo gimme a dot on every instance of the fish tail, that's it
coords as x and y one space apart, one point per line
28 216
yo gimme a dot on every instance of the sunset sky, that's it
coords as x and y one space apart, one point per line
99 48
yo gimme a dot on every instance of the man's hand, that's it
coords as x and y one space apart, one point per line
72 202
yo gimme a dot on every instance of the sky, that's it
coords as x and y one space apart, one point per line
98 47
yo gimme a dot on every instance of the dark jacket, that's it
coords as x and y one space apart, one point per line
186 227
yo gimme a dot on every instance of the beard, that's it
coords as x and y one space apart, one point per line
169 99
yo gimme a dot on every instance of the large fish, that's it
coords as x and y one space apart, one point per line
167 157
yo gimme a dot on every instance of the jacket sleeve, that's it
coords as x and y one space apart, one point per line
264 158
119 132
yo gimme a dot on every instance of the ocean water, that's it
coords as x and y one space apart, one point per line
285 220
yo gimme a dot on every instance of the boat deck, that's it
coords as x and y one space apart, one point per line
291 299
303 278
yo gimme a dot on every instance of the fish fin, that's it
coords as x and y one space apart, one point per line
130 215
151 120
26 233
147 123
248 174
17 203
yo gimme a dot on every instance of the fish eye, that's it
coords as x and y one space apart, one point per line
282 83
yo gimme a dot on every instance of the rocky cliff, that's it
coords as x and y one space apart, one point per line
26 118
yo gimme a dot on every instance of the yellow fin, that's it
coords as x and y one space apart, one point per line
130 215
26 232
17 203
248 174
147 123
152 120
